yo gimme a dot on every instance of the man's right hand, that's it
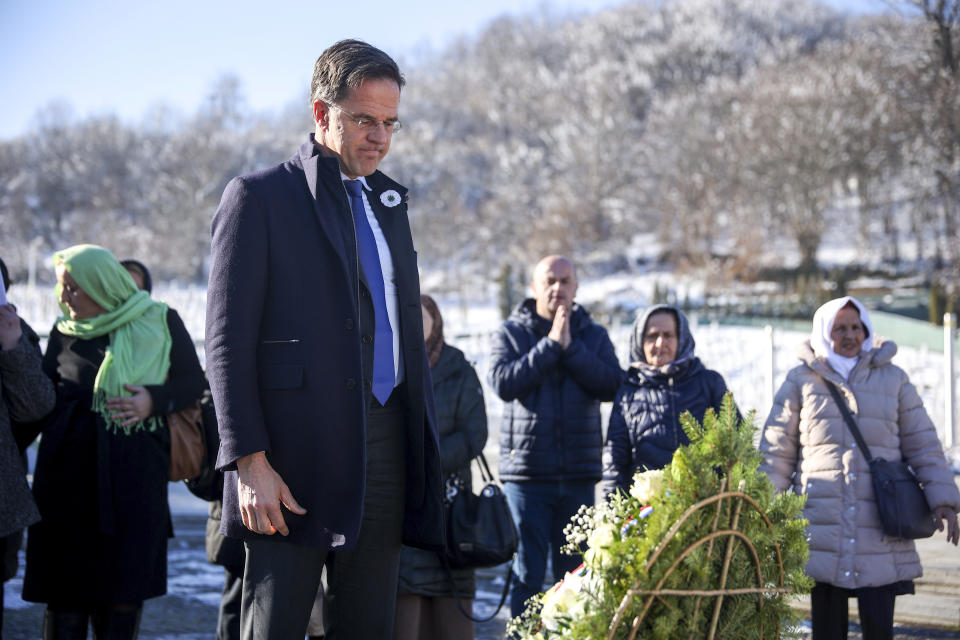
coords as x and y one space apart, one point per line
560 331
261 491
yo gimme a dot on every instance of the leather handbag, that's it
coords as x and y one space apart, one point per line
208 483
480 529
480 532
186 443
903 508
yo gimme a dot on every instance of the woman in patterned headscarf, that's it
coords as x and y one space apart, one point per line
664 380
120 362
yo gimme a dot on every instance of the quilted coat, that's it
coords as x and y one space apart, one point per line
809 449
551 415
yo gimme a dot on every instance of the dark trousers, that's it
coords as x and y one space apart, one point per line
117 622
228 621
280 580
829 612
541 511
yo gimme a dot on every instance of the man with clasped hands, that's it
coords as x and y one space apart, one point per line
316 362
553 366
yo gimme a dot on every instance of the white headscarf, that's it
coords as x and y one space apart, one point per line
820 334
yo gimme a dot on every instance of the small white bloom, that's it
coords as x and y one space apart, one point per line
646 485
597 558
390 198
603 536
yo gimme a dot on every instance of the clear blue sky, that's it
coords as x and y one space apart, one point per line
123 56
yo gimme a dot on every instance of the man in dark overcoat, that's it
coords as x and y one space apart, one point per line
315 357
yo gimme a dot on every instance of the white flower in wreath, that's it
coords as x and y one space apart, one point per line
564 602
390 198
646 485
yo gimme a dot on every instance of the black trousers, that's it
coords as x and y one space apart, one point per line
280 580
829 612
228 620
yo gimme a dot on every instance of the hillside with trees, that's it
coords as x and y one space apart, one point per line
728 137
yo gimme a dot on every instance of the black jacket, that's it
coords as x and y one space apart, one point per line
644 428
551 419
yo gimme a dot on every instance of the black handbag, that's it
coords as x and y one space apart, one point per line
904 512
480 531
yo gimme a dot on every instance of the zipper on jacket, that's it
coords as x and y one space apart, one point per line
673 413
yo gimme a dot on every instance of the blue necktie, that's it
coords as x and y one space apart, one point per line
383 371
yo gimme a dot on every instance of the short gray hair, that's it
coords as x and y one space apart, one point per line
345 65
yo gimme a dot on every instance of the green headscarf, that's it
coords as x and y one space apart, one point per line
139 351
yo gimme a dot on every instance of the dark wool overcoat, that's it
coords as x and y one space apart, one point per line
288 328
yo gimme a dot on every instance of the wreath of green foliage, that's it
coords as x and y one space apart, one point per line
617 546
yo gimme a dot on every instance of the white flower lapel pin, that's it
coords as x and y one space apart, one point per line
390 198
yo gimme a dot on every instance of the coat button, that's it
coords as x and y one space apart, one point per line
846 574
351 383
367 339
348 324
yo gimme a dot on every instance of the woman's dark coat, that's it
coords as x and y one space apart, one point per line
462 425
644 428
102 496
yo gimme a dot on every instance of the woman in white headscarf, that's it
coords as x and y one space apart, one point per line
810 449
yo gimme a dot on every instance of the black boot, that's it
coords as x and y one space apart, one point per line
61 624
117 623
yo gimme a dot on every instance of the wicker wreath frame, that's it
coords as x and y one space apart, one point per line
732 536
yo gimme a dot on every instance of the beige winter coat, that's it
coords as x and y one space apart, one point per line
809 448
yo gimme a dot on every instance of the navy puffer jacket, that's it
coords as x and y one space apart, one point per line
644 428
551 419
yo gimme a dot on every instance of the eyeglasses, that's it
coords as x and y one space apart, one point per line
368 124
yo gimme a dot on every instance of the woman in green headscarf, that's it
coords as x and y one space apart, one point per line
120 362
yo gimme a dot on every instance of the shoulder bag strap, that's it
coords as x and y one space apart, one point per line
484 468
848 418
453 591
